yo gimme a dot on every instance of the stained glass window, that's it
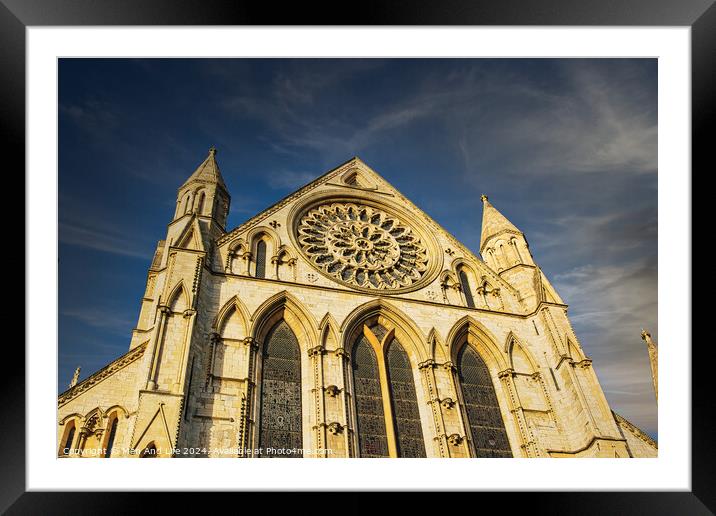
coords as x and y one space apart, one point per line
465 284
280 422
409 433
372 438
483 411
261 259
112 434
379 331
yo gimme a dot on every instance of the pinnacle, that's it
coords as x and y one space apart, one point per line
208 170
493 222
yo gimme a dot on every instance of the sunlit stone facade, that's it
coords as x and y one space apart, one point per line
343 322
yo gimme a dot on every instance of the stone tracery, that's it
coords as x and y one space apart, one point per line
362 246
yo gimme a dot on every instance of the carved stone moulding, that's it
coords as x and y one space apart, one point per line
317 350
335 428
447 403
455 439
364 244
332 390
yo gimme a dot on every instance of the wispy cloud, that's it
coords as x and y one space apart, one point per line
77 229
290 179
91 115
101 239
594 127
288 110
98 318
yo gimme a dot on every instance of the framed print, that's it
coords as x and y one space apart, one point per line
419 240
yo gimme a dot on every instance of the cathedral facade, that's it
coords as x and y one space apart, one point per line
343 322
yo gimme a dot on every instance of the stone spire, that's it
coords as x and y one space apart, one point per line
494 222
75 377
203 195
653 360
207 172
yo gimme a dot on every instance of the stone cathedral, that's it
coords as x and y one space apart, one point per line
343 322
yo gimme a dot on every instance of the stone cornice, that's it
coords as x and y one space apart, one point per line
160 393
636 431
184 249
100 375
525 265
370 191
503 231
588 445
203 217
317 350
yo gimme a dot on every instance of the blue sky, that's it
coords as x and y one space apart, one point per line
565 148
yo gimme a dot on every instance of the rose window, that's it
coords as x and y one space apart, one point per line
362 246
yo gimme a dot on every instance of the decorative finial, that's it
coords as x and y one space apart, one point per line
483 198
75 377
212 151
653 360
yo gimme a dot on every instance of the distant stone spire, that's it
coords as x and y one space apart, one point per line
653 359
75 377
494 222
208 171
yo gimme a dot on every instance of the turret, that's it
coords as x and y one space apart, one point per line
204 193
505 250
201 209
502 245
199 219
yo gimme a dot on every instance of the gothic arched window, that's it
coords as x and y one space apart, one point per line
281 420
67 445
408 430
261 259
465 285
385 374
112 435
372 438
200 203
489 436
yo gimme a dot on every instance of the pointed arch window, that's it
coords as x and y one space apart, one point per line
372 437
465 285
261 259
391 377
352 179
280 421
408 431
112 435
200 203
484 418
69 439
